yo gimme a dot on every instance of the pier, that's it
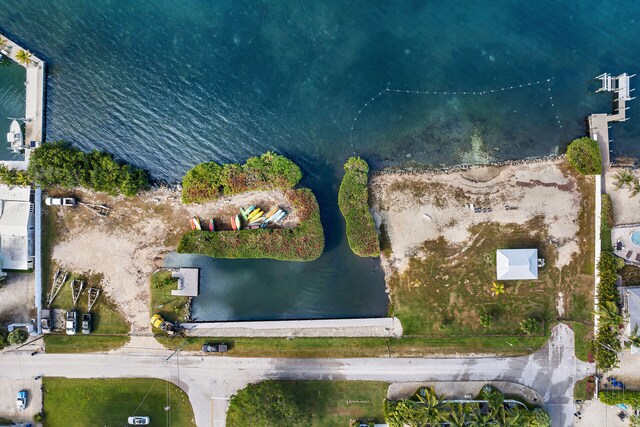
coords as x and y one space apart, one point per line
599 123
34 105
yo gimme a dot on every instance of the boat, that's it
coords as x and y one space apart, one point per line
247 211
196 222
14 137
253 215
212 226
271 212
238 223
233 223
193 224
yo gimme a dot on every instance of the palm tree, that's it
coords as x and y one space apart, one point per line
635 188
506 418
22 178
609 314
480 419
23 57
623 177
458 416
634 338
429 408
497 288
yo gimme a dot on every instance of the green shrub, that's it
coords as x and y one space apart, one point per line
529 326
17 336
60 164
266 404
3 338
208 181
584 155
353 200
303 243
615 397
607 342
486 320
606 223
38 417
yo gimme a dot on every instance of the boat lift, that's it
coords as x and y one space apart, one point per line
93 297
76 290
58 280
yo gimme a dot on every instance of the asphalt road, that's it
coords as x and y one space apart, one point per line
210 381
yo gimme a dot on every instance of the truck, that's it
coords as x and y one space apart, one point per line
172 328
45 320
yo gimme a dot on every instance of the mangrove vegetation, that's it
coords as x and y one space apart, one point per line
353 200
208 181
584 155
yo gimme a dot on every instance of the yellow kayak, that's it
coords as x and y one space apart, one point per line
254 214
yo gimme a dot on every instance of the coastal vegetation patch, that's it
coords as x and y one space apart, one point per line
58 164
584 155
607 342
302 243
170 307
208 181
96 402
307 403
353 200
426 408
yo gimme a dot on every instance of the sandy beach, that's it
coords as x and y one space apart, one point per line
421 206
132 241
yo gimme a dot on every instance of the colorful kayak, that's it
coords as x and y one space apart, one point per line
212 226
271 212
247 211
273 216
254 214
233 224
280 216
238 223
192 223
196 222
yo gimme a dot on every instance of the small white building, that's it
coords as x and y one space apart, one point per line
16 228
517 264
631 302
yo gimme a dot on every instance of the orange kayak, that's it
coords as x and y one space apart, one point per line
233 223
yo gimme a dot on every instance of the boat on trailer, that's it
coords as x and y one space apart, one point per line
15 137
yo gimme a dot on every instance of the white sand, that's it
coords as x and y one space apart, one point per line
626 209
130 244
418 207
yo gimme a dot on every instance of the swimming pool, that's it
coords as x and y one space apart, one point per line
635 237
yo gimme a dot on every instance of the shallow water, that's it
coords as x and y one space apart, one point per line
167 85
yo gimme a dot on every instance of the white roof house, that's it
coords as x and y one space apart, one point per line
517 264
16 228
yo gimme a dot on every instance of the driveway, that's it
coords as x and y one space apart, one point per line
210 381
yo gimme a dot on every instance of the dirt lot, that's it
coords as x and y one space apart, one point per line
625 206
8 391
17 299
439 256
131 242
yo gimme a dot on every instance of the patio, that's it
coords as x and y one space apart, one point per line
624 247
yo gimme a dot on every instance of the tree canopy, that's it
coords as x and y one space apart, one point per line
584 155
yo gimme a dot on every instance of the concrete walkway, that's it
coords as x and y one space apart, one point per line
211 381
373 327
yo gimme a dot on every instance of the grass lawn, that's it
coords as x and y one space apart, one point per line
366 347
170 307
324 403
108 402
584 389
109 328
444 293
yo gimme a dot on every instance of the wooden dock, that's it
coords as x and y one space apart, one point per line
34 105
599 123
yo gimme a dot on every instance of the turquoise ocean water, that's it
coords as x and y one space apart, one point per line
166 85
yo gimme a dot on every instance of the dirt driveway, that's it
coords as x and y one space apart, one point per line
17 299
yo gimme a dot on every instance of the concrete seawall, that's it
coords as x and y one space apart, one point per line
375 327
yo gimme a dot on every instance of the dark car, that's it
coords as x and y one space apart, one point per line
215 348
86 323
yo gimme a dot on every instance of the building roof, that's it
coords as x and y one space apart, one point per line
632 305
517 264
15 211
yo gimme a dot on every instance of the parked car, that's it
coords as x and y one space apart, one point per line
72 322
215 348
21 400
60 201
45 321
86 323
139 421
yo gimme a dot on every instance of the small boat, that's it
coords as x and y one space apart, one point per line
233 223
247 211
254 214
238 223
212 227
14 137
271 212
196 222
192 223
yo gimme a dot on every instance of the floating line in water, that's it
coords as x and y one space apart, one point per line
455 93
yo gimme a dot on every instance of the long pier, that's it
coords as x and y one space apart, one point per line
34 105
599 123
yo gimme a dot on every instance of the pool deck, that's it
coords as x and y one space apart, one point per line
631 251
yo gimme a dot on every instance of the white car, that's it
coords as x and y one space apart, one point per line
60 201
139 421
71 325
